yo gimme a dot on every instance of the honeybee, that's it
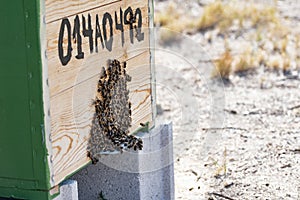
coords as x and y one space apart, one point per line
103 75
113 109
128 78
94 160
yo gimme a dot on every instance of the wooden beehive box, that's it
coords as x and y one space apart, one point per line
63 47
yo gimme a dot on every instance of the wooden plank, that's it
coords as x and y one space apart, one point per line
73 86
58 9
60 77
71 122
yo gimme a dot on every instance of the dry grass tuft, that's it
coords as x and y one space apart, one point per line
223 15
261 16
286 63
243 64
219 15
174 20
240 17
221 169
247 61
223 66
168 16
213 14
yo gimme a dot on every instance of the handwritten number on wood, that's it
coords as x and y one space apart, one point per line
119 26
133 19
139 34
77 38
98 34
129 20
64 59
108 43
88 31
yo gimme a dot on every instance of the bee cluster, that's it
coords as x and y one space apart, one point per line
112 118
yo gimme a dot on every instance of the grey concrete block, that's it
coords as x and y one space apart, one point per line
147 174
68 190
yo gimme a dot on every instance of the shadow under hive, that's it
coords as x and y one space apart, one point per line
112 118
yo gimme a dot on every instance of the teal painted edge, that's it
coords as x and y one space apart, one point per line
35 82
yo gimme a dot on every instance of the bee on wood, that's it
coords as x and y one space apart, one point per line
128 78
113 109
94 160
114 62
140 145
103 75
88 154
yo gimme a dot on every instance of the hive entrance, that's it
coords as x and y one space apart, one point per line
112 118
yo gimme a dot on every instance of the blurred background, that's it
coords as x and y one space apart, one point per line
228 79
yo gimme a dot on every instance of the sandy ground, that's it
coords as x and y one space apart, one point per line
240 140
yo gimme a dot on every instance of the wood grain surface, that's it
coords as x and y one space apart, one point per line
58 9
73 86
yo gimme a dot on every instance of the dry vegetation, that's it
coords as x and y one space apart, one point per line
174 21
217 14
223 16
223 66
271 36
245 62
251 38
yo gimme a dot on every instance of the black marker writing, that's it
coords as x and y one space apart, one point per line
64 59
98 33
